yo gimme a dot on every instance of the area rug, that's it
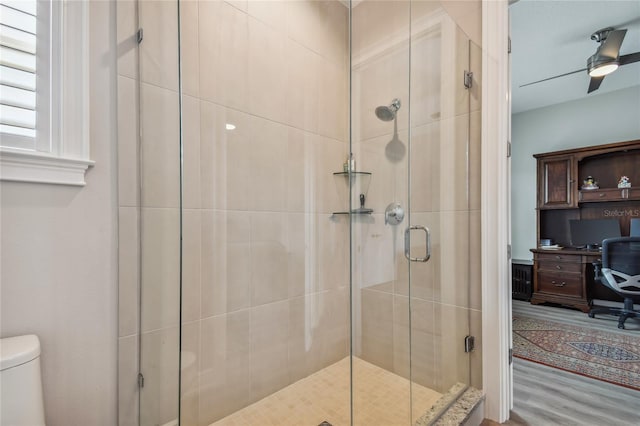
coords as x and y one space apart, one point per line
611 357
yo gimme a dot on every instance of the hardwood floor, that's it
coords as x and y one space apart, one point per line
547 396
602 322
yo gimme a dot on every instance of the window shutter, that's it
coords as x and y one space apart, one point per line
18 22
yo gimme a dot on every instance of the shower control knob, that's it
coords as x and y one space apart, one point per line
394 214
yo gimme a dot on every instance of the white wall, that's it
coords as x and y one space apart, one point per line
607 118
58 264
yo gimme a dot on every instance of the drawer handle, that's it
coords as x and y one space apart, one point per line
562 284
558 257
558 267
601 194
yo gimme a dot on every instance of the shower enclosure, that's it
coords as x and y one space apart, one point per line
299 211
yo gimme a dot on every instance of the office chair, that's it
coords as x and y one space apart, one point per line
620 271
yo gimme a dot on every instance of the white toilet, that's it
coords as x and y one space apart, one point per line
21 386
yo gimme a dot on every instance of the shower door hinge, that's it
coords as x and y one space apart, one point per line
508 149
140 380
139 35
468 79
508 44
509 251
510 356
469 343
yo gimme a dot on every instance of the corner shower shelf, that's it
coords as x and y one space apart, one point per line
355 173
356 211
362 210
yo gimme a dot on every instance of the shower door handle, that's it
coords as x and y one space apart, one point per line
407 248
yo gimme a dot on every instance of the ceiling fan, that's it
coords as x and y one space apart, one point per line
606 59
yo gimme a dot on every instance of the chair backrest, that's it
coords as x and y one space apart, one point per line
621 264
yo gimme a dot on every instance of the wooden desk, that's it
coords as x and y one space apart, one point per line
565 277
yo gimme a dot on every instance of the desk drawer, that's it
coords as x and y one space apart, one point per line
559 266
612 194
566 284
557 257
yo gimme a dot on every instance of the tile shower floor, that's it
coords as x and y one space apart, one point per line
380 398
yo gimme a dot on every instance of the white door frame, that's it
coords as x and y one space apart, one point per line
496 297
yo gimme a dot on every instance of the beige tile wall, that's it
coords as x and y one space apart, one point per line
273 261
265 264
444 172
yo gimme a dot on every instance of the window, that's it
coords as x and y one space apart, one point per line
43 129
18 32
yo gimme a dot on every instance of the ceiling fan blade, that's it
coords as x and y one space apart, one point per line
595 83
611 45
630 58
555 76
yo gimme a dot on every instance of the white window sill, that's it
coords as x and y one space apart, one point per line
42 168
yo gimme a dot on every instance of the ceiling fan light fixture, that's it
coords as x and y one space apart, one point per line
599 65
603 69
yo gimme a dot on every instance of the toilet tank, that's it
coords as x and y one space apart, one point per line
21 391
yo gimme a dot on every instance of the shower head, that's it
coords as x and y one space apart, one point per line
388 113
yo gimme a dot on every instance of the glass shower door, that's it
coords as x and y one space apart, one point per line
444 295
413 256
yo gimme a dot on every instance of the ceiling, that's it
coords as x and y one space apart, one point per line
553 37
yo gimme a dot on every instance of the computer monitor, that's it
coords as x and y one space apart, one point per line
635 228
591 232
